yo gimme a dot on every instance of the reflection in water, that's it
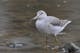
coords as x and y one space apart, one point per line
16 15
4 18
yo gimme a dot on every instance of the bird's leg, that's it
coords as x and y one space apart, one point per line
56 40
46 39
46 43
55 49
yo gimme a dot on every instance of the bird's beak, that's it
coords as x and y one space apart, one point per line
36 17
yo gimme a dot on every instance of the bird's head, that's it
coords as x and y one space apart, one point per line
40 14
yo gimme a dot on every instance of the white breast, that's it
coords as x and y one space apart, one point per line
42 26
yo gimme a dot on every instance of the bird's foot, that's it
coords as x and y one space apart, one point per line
56 47
47 46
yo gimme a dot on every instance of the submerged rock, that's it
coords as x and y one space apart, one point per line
21 42
67 48
71 48
16 45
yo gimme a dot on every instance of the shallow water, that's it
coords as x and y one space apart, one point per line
15 19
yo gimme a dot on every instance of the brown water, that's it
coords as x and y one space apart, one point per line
15 22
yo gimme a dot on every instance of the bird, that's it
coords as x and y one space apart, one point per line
49 24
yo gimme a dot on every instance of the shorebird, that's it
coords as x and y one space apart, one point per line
49 24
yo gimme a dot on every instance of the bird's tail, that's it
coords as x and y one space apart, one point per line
66 22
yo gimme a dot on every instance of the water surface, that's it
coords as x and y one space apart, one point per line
15 21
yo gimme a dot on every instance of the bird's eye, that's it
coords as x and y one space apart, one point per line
41 13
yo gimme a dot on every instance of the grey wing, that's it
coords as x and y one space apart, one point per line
56 21
63 22
59 22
